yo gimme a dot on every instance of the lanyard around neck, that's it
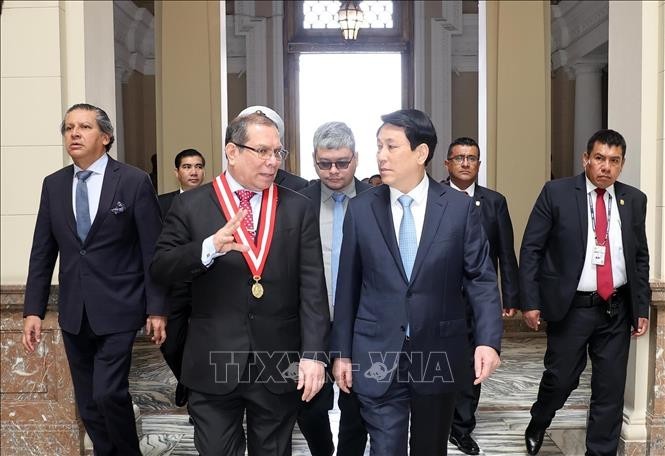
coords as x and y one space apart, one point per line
593 217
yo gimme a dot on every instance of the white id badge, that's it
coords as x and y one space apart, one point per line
598 255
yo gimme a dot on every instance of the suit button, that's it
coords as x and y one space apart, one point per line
251 316
402 328
409 294
82 252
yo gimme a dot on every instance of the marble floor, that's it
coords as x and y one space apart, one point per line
501 418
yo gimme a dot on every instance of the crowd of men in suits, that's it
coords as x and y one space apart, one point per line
262 289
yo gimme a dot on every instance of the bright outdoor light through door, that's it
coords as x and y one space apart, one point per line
352 88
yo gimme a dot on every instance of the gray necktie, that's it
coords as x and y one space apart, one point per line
82 205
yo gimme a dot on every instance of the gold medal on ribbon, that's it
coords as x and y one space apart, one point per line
257 288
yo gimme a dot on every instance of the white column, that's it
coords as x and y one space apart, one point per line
588 107
442 30
635 109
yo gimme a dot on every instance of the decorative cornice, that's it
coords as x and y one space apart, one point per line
254 30
134 30
465 46
451 16
578 28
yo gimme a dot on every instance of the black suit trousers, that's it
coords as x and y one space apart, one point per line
314 423
174 345
607 341
100 371
466 404
218 419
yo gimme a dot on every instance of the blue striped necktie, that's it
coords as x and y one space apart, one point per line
82 205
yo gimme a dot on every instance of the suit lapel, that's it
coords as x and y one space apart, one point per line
383 214
317 200
109 185
581 198
68 209
436 206
624 216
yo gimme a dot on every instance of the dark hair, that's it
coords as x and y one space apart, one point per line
417 127
463 141
102 118
188 153
236 132
607 137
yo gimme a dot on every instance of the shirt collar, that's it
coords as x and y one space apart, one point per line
591 187
349 190
418 193
470 190
234 186
98 167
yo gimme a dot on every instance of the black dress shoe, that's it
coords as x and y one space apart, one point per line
533 437
464 443
181 394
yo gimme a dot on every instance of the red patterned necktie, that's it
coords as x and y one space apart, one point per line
248 221
605 283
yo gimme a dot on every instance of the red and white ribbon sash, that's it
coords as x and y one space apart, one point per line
257 254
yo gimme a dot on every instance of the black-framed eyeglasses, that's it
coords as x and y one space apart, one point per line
339 164
459 159
265 153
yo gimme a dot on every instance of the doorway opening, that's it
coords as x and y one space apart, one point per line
373 88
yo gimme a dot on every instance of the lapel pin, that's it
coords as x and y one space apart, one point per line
621 202
478 203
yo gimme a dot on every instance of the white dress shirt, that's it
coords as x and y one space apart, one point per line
94 184
418 206
208 252
470 190
588 281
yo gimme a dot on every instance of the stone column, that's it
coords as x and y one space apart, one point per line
655 417
514 114
588 107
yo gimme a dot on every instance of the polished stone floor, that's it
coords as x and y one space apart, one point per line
502 416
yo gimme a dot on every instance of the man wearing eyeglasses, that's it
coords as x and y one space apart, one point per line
463 163
283 178
335 161
259 324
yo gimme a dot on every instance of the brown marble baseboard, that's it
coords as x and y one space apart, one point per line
51 439
37 411
633 449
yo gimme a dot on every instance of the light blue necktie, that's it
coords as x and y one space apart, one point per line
82 205
407 235
408 246
338 221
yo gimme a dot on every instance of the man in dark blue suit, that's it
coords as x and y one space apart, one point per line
400 332
335 161
190 171
584 268
463 163
102 218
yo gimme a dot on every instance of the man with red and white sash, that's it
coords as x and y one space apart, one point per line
260 319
